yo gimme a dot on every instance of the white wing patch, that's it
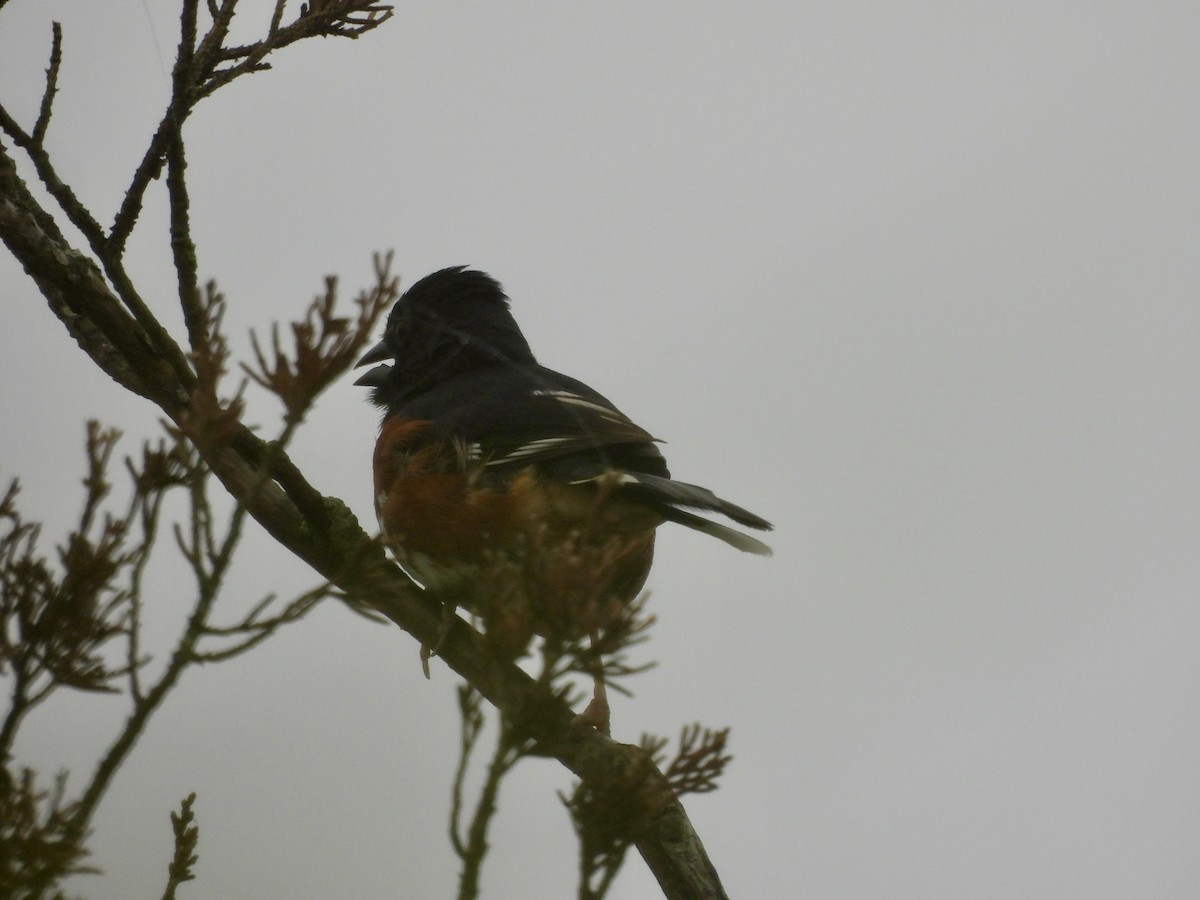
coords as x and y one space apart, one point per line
533 448
611 478
566 398
543 446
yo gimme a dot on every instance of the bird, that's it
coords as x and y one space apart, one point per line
509 488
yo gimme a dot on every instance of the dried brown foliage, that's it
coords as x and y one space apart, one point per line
187 836
325 345
57 620
39 843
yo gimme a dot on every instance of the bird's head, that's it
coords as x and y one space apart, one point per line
453 321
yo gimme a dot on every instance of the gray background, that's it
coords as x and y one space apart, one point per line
916 281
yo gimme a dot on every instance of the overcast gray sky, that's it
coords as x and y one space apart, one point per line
915 281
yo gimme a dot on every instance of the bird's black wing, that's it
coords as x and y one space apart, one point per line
530 415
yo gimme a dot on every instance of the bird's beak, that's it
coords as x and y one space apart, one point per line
378 353
376 377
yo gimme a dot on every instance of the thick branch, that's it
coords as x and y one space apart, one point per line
80 297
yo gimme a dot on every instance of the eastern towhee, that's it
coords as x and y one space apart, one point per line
499 482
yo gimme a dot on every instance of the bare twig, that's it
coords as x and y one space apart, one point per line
510 746
252 630
471 719
43 119
182 248
276 16
100 444
219 65
62 193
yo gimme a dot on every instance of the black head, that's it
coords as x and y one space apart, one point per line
450 322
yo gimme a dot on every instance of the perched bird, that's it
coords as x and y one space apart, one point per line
498 478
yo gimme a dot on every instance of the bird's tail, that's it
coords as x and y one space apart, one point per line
666 496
